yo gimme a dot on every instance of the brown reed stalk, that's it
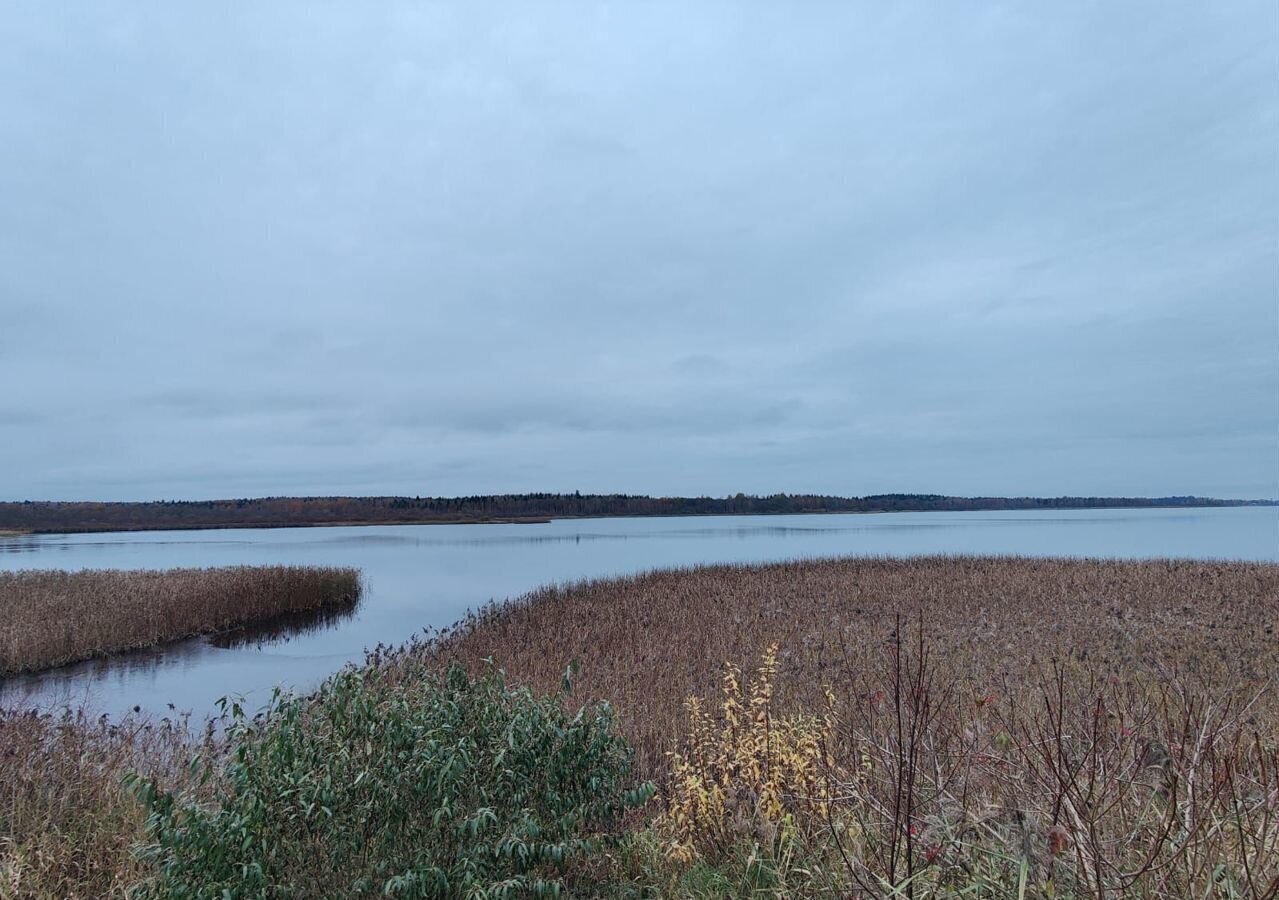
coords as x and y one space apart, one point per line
1089 728
50 618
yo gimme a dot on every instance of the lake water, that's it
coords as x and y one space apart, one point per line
429 575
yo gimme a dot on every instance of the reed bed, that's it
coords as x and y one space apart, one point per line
935 727
51 618
648 642
68 823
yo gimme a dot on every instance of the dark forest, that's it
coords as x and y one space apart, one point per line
277 512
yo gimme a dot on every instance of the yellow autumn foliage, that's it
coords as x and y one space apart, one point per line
746 773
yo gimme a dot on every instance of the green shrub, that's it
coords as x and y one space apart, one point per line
419 785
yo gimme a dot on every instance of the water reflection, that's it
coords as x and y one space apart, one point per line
284 628
36 543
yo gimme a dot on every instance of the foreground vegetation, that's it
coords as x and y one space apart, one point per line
50 618
412 783
866 728
276 512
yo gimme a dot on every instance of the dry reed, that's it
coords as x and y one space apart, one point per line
50 618
1076 727
648 642
67 821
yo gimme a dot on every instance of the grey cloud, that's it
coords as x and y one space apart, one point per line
201 403
21 418
467 247
715 413
700 364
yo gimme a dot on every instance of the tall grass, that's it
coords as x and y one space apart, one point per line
985 727
67 822
997 624
50 618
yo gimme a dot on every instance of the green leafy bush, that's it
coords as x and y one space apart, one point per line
421 784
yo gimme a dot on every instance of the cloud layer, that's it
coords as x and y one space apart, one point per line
464 248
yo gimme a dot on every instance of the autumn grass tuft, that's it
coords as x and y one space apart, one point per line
51 618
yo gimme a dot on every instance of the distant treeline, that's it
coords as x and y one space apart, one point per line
268 512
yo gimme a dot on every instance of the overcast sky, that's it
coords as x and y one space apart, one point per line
683 248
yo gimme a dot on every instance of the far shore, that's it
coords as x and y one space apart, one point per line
18 519
111 529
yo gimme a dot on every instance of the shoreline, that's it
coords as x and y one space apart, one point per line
545 520
241 526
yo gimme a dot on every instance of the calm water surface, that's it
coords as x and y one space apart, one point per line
429 575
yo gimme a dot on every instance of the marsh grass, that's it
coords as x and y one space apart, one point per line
994 624
989 727
51 618
67 822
